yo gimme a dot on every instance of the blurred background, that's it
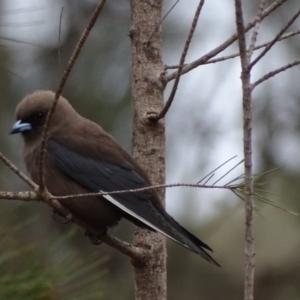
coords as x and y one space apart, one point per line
43 259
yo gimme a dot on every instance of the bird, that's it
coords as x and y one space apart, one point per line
81 157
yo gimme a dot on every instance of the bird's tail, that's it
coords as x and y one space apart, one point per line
157 219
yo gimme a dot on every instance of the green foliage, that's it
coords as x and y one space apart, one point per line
33 272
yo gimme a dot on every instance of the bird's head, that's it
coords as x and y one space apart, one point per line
31 114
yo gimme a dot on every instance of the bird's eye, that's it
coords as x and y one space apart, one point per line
40 115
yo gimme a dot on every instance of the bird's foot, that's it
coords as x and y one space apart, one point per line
58 218
95 240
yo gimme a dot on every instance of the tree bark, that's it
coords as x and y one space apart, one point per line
148 137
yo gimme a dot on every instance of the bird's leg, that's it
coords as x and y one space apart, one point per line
58 218
96 240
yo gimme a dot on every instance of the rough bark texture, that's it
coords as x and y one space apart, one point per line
148 137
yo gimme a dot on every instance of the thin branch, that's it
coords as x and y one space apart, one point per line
54 203
202 60
66 74
165 16
18 172
256 29
230 170
277 37
247 135
275 72
181 64
223 58
147 188
217 168
59 43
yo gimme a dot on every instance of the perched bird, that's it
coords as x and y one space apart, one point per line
81 158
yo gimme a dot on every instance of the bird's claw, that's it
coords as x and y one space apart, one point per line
58 218
95 240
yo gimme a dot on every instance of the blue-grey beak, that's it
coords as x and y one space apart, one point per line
20 127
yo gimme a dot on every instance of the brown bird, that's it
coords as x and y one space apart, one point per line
81 158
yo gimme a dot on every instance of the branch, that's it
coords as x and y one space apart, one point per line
247 115
223 58
256 28
277 37
202 60
181 64
65 76
275 72
135 253
18 172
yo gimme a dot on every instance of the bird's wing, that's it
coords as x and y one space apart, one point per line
96 175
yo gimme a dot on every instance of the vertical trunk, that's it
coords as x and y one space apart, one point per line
148 137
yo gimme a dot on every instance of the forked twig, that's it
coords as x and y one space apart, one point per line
225 44
277 37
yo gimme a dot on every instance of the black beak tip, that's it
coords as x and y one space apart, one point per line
20 127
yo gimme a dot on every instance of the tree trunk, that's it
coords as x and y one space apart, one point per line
148 137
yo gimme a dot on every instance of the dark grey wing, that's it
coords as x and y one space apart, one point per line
97 175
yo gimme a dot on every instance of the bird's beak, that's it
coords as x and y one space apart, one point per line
20 127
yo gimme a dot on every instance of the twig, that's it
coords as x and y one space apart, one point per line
18 172
225 44
53 200
165 16
66 74
217 168
234 167
275 72
247 116
277 37
158 186
256 28
223 58
59 44
181 64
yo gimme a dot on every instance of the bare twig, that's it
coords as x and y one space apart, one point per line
165 16
59 44
53 200
224 58
275 72
217 168
181 64
18 172
256 28
66 74
157 186
230 170
277 37
248 189
225 44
